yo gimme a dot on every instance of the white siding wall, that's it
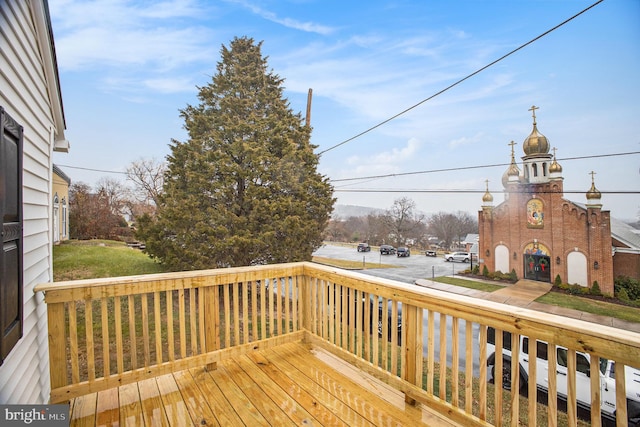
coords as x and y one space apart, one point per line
24 375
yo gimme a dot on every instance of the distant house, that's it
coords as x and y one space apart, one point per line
470 241
31 127
60 215
626 249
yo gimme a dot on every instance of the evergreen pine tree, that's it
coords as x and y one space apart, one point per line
244 188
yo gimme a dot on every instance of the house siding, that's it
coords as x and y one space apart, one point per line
26 95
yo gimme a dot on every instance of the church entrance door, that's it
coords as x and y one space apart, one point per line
537 267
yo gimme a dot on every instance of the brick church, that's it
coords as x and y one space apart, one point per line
540 234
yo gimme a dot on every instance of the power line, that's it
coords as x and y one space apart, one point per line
459 81
453 191
461 168
90 169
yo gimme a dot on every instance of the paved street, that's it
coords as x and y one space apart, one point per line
417 266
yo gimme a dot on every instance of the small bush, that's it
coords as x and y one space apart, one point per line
595 288
557 281
631 287
476 269
485 271
513 276
622 295
505 276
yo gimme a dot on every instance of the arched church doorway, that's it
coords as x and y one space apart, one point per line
537 262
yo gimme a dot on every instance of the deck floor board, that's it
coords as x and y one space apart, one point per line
291 384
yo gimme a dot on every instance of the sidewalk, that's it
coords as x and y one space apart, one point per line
523 294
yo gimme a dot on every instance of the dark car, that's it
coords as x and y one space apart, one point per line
402 251
375 321
387 250
430 253
363 247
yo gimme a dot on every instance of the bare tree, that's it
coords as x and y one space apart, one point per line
147 176
117 196
92 215
452 227
404 222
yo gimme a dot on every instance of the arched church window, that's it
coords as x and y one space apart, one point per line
534 167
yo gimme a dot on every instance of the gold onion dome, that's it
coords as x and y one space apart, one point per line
593 193
513 168
536 143
487 197
555 166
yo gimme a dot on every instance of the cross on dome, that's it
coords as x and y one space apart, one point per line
533 112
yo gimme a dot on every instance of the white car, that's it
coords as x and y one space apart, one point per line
606 375
458 256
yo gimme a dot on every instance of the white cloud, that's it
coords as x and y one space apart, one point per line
310 27
385 162
462 141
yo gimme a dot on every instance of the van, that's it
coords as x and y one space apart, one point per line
583 382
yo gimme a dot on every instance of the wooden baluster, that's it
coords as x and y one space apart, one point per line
106 354
117 308
468 368
572 400
431 350
73 343
170 326
88 321
183 324
133 344
455 359
552 391
443 356
157 321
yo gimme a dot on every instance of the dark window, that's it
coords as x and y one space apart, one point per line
541 349
11 253
582 363
506 338
562 357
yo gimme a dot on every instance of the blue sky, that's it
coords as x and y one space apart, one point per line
128 67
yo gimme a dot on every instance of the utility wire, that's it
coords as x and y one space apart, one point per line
475 167
90 169
459 81
355 190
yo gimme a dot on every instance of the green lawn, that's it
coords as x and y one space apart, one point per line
88 259
472 284
574 302
349 264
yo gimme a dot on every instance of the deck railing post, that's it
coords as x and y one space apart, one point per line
304 304
412 336
57 345
211 321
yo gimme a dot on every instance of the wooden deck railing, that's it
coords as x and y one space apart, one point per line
109 332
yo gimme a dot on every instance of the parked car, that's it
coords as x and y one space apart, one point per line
402 251
458 256
363 247
606 375
375 320
430 253
387 250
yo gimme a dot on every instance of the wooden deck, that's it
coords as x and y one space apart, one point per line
291 384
